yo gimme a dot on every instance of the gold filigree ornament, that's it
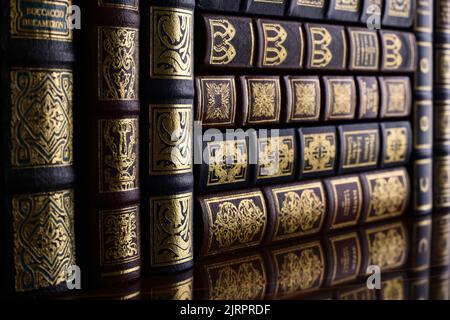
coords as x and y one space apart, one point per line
342 98
227 162
222 33
388 195
319 152
305 103
321 40
276 157
300 211
247 282
172 43
397 145
300 272
219 101
387 248
118 56
239 223
392 51
263 97
41 118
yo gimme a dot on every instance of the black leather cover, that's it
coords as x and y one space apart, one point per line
167 96
442 124
440 256
225 42
422 125
441 182
399 51
114 192
38 93
422 184
327 47
219 5
280 44
271 7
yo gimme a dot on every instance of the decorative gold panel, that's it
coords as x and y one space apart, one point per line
44 239
276 157
118 155
396 144
399 8
274 35
171 139
118 63
171 43
319 152
41 118
119 236
171 230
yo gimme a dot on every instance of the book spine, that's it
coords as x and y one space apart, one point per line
273 273
230 42
422 113
226 101
291 211
37 95
267 156
441 163
167 94
114 198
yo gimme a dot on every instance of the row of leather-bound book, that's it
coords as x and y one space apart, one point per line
303 127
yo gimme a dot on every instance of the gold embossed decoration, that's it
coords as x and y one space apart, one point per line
276 157
275 53
319 152
235 221
263 97
392 51
42 20
341 100
321 54
41 118
393 289
219 101
172 43
370 99
300 210
171 139
388 194
222 33
122 4
300 271
179 291
387 248
118 62
397 97
228 162
119 236
171 230
118 155
240 280
44 239
396 145
305 100
365 50
399 8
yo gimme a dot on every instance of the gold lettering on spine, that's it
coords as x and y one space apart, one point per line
171 139
321 40
119 236
171 230
44 239
42 20
222 33
118 160
118 63
171 43
41 118
274 51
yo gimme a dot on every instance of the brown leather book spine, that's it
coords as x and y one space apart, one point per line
114 198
